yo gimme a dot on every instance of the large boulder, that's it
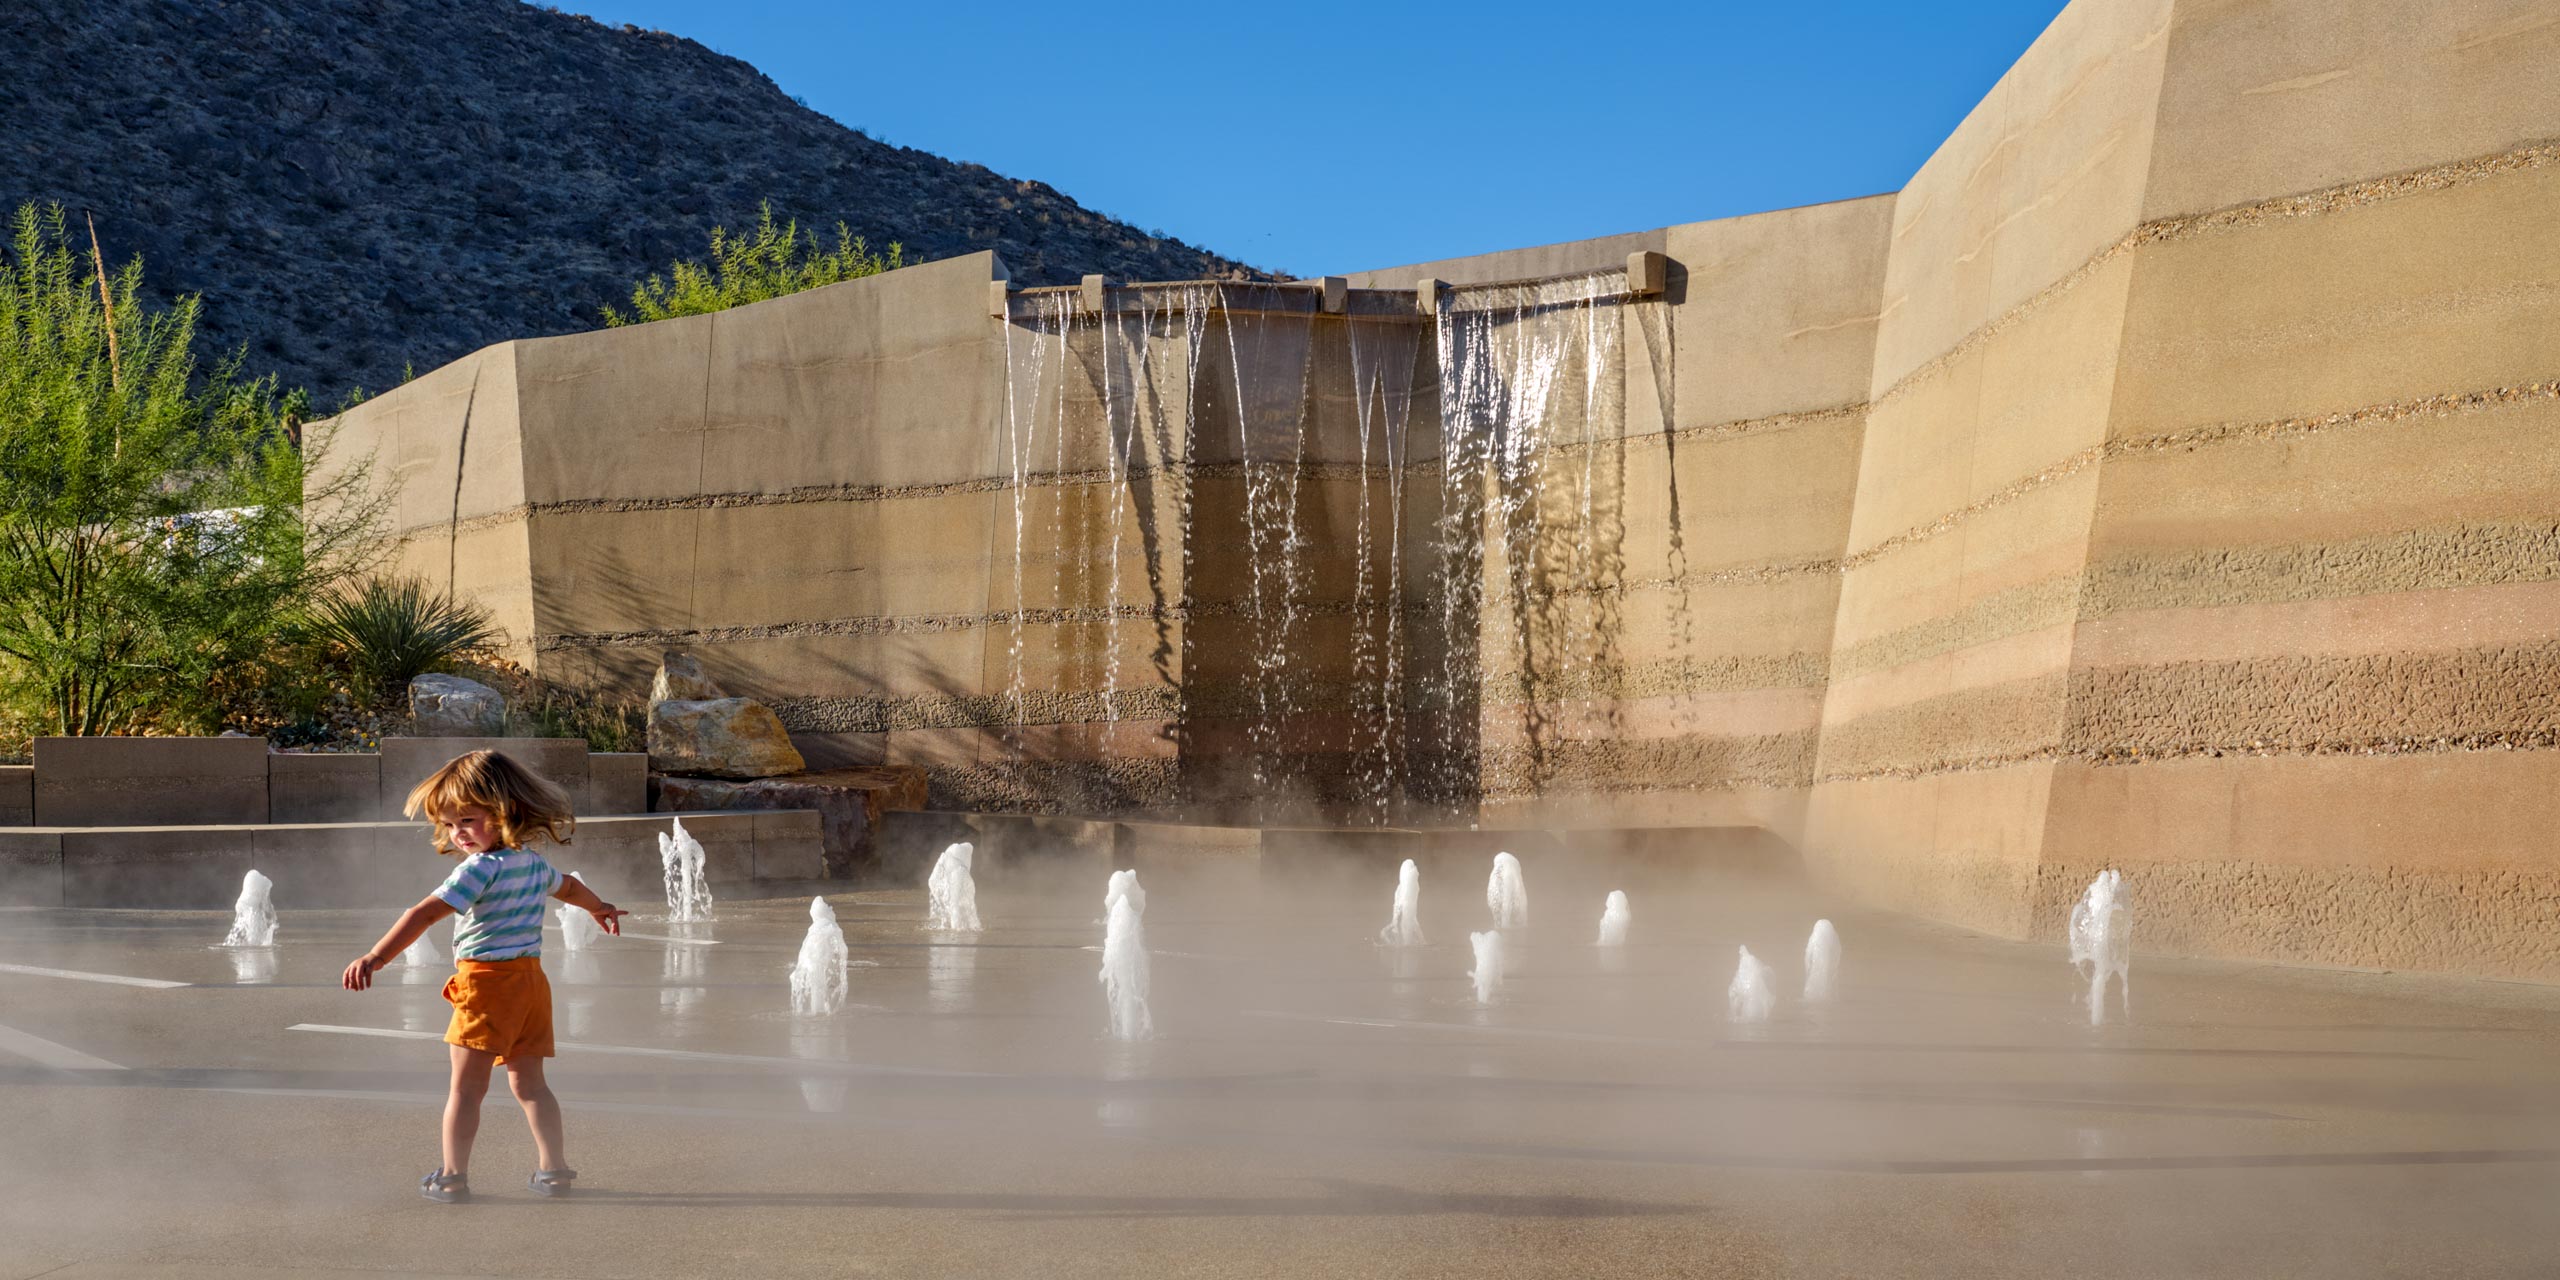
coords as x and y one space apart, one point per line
681 678
720 738
442 706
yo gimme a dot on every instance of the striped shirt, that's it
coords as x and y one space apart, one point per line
499 894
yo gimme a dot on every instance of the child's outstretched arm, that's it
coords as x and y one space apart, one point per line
413 923
575 892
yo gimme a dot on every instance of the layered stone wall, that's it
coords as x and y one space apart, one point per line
2164 479
2205 481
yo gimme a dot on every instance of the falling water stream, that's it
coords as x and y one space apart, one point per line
1349 614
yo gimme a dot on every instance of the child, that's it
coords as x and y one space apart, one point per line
485 807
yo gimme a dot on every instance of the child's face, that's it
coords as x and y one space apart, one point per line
471 829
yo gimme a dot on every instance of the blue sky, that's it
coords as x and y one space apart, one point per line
1329 137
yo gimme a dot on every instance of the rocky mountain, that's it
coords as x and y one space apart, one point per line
359 186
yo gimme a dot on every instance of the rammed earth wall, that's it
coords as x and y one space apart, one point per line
2164 479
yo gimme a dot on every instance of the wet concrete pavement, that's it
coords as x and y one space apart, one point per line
1313 1105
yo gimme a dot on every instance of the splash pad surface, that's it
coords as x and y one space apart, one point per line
1312 1103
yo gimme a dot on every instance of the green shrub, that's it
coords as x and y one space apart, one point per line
393 630
538 708
153 531
606 721
776 260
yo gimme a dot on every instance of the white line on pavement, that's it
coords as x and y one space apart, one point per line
649 937
46 1053
497 1099
687 1055
1413 1024
75 975
1185 955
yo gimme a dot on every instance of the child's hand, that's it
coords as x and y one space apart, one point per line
609 917
359 975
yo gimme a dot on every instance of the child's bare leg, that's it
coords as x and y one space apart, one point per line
541 1112
462 1105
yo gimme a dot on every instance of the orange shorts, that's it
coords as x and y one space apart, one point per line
501 1007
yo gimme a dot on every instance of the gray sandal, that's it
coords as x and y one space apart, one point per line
445 1188
551 1182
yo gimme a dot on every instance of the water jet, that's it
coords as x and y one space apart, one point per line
253 917
1404 924
951 893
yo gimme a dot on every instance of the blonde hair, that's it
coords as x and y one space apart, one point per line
522 803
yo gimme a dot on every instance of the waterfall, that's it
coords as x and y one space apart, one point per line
1530 376
1268 366
1382 365
1426 638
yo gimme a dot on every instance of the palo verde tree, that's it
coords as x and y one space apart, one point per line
153 528
774 261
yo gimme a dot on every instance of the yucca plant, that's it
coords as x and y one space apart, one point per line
393 630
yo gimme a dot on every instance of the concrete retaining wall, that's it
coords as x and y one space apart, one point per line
2161 479
370 864
127 782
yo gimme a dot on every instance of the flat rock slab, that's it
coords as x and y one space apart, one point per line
849 803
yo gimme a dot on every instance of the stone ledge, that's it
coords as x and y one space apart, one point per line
370 864
848 803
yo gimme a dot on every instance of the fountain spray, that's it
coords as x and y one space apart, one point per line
688 890
1124 958
2101 937
578 930
1752 994
819 981
253 917
1488 970
1507 894
1404 926
951 892
1822 963
1613 920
